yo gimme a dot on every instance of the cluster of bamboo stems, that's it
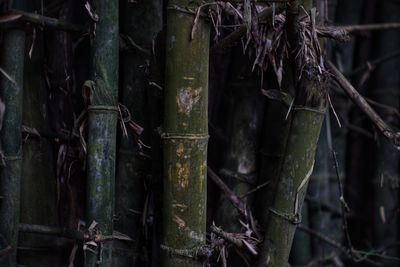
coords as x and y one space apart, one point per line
115 188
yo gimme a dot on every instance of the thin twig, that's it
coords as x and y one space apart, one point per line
255 189
233 198
386 130
343 205
353 29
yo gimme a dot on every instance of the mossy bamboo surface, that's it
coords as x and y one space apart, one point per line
296 169
296 165
185 136
12 62
102 128
141 22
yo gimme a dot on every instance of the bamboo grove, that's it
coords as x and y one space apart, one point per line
199 133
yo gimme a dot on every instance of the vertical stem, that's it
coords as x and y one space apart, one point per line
12 62
38 183
141 22
102 126
186 134
296 164
241 157
300 253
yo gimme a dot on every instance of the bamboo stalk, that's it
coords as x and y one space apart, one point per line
276 127
186 135
102 127
276 130
241 155
322 185
13 53
38 183
301 253
297 162
141 21
297 167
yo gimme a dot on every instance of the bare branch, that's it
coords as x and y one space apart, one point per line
386 130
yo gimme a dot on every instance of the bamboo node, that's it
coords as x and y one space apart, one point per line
197 252
4 158
103 109
292 218
303 108
185 136
184 10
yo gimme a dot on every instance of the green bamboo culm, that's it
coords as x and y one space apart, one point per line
185 136
296 169
307 115
102 128
11 88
